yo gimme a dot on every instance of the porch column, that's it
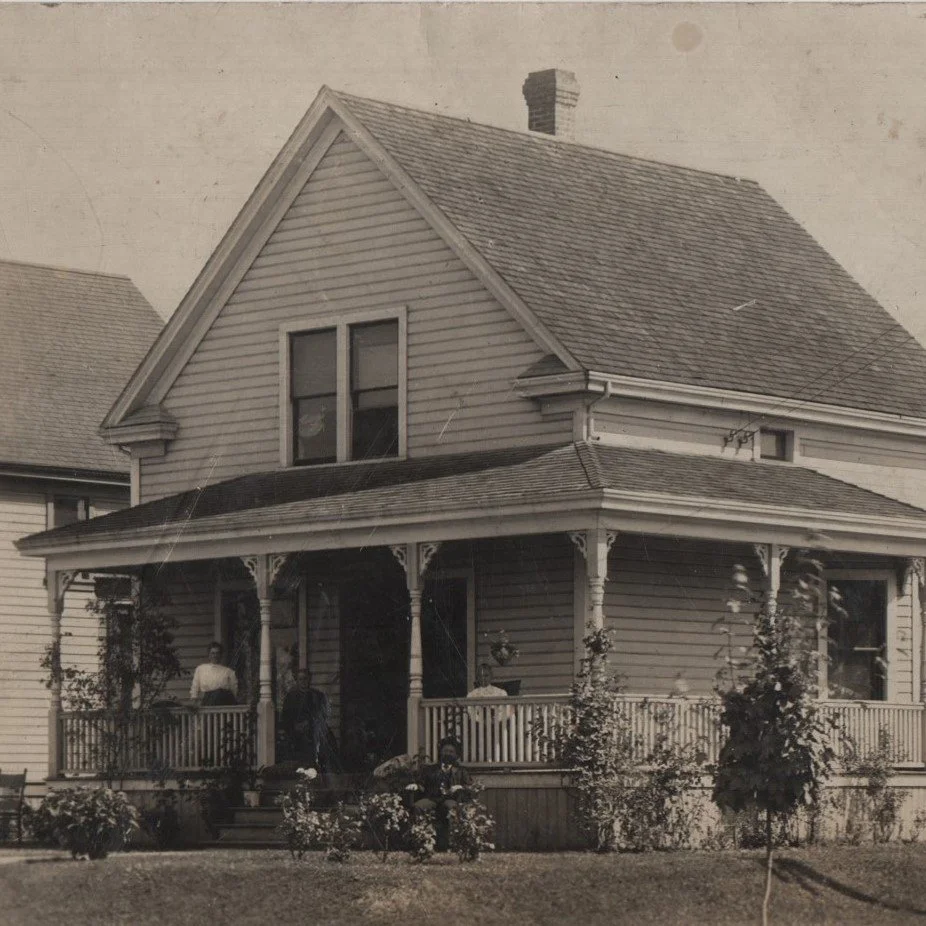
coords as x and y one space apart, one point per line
414 558
57 585
771 556
594 545
264 569
915 581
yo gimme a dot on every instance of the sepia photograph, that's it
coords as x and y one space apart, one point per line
462 463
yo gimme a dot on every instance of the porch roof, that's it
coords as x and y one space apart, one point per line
553 487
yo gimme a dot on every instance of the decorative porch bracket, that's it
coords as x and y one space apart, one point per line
594 545
414 558
264 569
771 557
57 585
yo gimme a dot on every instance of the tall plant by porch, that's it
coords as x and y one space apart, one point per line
776 756
136 660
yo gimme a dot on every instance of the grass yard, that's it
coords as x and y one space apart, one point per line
870 885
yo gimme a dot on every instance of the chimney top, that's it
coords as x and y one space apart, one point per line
551 97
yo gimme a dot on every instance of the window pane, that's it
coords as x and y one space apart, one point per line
315 426
857 634
374 355
773 445
375 432
314 363
69 510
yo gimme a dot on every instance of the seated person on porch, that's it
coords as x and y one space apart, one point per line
484 687
214 683
305 721
445 784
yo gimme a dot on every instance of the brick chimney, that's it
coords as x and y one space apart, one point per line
551 102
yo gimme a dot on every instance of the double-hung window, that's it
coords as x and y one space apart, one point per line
345 383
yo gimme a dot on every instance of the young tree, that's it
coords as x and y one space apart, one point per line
776 754
136 660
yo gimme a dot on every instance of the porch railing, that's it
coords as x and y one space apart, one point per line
178 739
521 732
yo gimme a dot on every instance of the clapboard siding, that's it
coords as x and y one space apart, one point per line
350 242
524 586
25 625
323 645
664 597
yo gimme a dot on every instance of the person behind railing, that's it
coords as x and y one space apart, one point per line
213 683
305 721
445 785
495 716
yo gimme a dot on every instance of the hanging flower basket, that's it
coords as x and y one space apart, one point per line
502 649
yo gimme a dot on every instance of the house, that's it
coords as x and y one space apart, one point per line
442 380
70 340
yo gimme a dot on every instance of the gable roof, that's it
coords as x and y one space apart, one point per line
615 264
331 498
649 270
70 339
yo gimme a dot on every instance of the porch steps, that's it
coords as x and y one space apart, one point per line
256 827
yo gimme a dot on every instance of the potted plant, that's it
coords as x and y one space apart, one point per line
502 649
250 793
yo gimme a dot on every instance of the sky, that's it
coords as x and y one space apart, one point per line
131 134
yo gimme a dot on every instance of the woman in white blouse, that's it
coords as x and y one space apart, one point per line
214 683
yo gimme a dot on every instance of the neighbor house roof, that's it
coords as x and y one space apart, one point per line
654 271
69 340
335 496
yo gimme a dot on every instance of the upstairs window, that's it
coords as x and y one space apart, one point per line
314 394
774 445
345 391
69 509
374 390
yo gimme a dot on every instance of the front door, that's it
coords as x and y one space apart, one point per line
444 637
374 661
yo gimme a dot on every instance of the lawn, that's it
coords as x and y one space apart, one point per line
869 885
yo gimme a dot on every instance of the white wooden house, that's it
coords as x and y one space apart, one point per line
69 340
441 379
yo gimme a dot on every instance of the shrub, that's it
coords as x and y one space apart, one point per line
303 828
422 837
87 822
471 828
386 817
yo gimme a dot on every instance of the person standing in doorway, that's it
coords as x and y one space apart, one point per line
306 712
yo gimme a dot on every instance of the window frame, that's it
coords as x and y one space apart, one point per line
342 324
84 510
789 443
834 576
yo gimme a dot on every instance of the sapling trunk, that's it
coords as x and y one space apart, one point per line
768 866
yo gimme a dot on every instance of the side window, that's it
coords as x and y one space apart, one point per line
857 668
68 509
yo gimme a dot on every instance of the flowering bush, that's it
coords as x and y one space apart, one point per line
304 828
88 822
422 837
385 815
471 828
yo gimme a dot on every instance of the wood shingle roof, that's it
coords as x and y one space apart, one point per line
69 340
649 270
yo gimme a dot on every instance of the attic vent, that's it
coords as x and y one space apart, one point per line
551 97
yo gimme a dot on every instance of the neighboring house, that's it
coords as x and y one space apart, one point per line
441 380
68 341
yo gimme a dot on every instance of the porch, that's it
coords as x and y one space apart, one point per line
389 593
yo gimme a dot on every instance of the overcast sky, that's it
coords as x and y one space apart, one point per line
130 135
